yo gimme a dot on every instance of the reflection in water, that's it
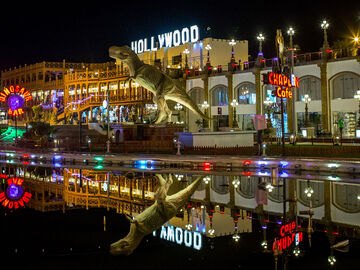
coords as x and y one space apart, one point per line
213 205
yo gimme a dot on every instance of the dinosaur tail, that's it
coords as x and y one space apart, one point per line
180 198
187 102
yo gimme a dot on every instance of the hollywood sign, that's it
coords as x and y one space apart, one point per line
180 236
171 39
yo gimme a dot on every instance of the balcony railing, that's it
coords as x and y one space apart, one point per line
300 59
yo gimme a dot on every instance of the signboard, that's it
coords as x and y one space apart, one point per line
180 236
171 39
259 122
15 97
14 196
283 84
288 236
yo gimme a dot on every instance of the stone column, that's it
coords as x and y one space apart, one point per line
206 97
325 97
259 92
290 114
229 77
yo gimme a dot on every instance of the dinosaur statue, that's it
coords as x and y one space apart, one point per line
157 82
164 208
279 43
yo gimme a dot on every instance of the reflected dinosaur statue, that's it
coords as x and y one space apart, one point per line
162 86
164 208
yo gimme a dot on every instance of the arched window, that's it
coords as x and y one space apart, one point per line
197 95
310 85
219 96
220 183
345 85
317 197
345 197
277 195
246 93
247 186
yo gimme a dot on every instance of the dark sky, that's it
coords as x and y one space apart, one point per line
83 31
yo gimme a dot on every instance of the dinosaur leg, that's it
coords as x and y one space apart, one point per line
161 193
161 113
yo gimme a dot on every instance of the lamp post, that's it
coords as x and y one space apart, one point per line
306 99
232 43
208 64
268 103
291 33
205 106
260 38
357 96
325 26
178 107
234 103
186 52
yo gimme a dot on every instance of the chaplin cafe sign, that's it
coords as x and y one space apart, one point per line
180 236
171 39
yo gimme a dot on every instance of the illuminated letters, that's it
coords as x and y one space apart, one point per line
187 238
178 235
170 234
169 39
197 240
194 33
176 38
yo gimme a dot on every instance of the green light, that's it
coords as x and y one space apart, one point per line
101 159
99 167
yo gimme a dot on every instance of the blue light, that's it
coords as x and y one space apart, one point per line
283 164
57 165
284 174
58 157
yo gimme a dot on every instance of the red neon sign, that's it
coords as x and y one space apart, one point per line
14 197
283 84
288 237
15 98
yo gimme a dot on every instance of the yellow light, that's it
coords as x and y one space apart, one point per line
356 39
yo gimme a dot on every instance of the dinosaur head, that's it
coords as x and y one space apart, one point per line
121 247
122 53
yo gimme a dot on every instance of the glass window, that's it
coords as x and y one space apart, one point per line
197 95
317 197
346 197
246 93
345 85
219 96
247 186
310 85
220 183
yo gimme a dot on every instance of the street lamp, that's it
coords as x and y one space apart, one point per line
205 106
325 26
357 96
291 32
260 38
268 103
186 52
306 99
178 107
234 103
232 43
208 48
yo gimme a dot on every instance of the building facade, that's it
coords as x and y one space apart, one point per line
331 85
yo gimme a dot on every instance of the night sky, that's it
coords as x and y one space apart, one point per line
83 32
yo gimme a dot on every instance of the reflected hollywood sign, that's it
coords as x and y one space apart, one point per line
14 196
288 237
180 236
